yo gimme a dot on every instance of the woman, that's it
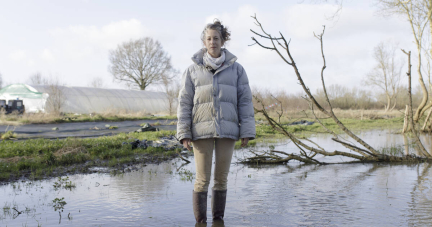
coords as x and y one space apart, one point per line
215 109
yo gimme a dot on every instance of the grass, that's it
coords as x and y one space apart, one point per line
63 182
396 150
350 123
43 118
113 116
41 157
8 135
58 204
38 158
186 175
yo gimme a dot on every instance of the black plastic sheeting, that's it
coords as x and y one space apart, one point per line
81 129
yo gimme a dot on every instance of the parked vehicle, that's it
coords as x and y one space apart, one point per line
12 106
3 105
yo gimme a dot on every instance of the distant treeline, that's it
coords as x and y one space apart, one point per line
340 96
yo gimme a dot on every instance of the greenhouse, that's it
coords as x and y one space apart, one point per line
85 100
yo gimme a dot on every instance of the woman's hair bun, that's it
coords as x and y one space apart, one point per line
217 25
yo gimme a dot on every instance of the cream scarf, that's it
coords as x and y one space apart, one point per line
212 62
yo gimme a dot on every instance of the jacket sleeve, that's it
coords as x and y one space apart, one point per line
245 106
185 106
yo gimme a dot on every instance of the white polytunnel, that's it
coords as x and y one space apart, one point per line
87 100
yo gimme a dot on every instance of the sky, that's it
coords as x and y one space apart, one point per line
71 39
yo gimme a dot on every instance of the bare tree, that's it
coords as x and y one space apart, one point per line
418 14
38 79
56 97
307 148
417 140
1 81
140 63
171 88
97 82
386 74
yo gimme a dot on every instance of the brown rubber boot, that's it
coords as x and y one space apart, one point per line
218 204
199 201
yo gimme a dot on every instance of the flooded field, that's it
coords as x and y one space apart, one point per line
265 195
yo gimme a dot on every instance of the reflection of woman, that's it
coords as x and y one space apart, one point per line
215 109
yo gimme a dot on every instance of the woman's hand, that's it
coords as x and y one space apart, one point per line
187 144
244 142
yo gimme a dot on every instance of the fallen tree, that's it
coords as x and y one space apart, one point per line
307 148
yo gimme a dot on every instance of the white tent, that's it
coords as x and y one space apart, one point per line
34 101
88 100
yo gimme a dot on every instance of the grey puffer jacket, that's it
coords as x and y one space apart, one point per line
215 105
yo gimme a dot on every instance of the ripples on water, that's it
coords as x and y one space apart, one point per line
288 195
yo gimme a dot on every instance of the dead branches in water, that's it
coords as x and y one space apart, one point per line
366 153
272 157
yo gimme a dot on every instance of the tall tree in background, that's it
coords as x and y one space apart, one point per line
140 63
418 14
171 88
386 74
56 97
97 82
55 89
1 81
38 79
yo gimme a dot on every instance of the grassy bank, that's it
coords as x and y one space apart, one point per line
41 118
38 158
289 116
354 125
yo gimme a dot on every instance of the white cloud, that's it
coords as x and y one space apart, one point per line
80 41
31 63
81 51
47 55
303 19
18 55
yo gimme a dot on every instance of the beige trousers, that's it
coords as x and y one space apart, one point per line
203 152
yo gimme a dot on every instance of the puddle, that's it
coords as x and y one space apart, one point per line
266 195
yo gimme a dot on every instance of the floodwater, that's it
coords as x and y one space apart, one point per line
265 195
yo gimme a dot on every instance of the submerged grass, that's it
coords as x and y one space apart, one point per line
396 150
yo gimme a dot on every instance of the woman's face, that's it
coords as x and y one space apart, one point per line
213 43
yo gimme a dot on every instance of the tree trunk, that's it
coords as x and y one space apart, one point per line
430 22
394 104
387 107
413 128
423 87
429 105
406 121
427 120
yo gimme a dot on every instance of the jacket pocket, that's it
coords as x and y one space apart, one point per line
228 112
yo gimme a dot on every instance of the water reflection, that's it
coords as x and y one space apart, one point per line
420 206
406 144
218 223
258 195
